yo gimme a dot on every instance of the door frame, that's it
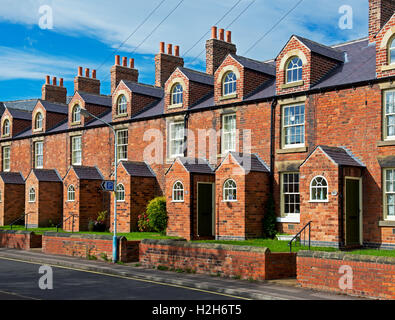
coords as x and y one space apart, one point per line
360 209
212 207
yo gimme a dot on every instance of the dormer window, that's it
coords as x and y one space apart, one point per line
122 104
76 114
177 94
391 52
229 85
38 123
294 70
6 127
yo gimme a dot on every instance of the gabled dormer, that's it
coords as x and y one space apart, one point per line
302 63
14 121
130 97
186 87
237 77
47 115
385 49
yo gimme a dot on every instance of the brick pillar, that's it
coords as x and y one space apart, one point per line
123 72
86 83
53 92
380 11
166 63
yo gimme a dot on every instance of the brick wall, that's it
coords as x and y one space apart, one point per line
223 260
371 276
12 205
23 240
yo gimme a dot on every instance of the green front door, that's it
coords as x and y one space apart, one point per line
205 210
352 212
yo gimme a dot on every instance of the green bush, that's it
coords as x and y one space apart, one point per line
143 223
269 220
157 215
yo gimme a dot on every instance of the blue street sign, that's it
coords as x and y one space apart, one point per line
107 185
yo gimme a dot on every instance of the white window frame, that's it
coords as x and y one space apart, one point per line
228 188
120 192
318 188
177 94
177 139
74 114
391 48
6 127
6 151
122 145
75 153
175 197
293 68
32 195
229 85
388 114
122 103
1 197
386 193
70 191
290 217
38 122
39 155
229 137
285 127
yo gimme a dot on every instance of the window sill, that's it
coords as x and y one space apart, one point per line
177 201
38 130
123 115
230 201
386 143
175 106
75 123
292 84
292 150
387 223
228 97
5 136
388 67
315 201
289 219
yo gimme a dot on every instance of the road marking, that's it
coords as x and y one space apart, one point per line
130 278
18 295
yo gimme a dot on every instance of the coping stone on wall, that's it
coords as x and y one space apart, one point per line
17 232
80 236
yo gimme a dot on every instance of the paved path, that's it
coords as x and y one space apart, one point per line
76 278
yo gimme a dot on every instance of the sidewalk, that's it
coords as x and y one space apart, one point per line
269 290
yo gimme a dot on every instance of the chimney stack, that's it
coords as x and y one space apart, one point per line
53 92
123 72
380 11
86 84
165 64
218 49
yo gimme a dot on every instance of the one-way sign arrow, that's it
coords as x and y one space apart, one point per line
107 185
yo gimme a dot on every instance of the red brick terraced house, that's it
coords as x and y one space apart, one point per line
314 127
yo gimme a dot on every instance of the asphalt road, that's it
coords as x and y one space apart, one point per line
20 281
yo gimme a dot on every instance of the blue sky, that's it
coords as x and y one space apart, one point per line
85 33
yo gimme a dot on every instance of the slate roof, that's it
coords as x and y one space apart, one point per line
26 105
339 155
55 107
138 169
46 175
321 49
198 76
144 89
96 99
195 165
12 177
2 108
255 65
20 114
87 173
250 162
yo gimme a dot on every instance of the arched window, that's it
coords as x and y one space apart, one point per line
0 197
122 104
178 192
6 127
230 190
319 189
32 195
229 84
76 114
120 192
176 94
391 51
71 193
294 70
38 124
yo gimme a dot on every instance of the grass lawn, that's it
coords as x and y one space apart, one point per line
129 236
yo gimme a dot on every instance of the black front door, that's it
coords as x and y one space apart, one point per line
352 212
205 210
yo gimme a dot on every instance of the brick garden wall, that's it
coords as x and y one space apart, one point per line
224 260
372 276
23 240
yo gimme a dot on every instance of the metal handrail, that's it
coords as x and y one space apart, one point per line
19 219
304 236
72 215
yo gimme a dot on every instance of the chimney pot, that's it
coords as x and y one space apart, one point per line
221 34
177 51
94 74
80 71
117 60
170 49
214 32
61 82
54 82
87 72
131 63
229 36
124 61
47 79
162 47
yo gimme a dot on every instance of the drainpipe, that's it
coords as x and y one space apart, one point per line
192 203
342 240
186 118
272 143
